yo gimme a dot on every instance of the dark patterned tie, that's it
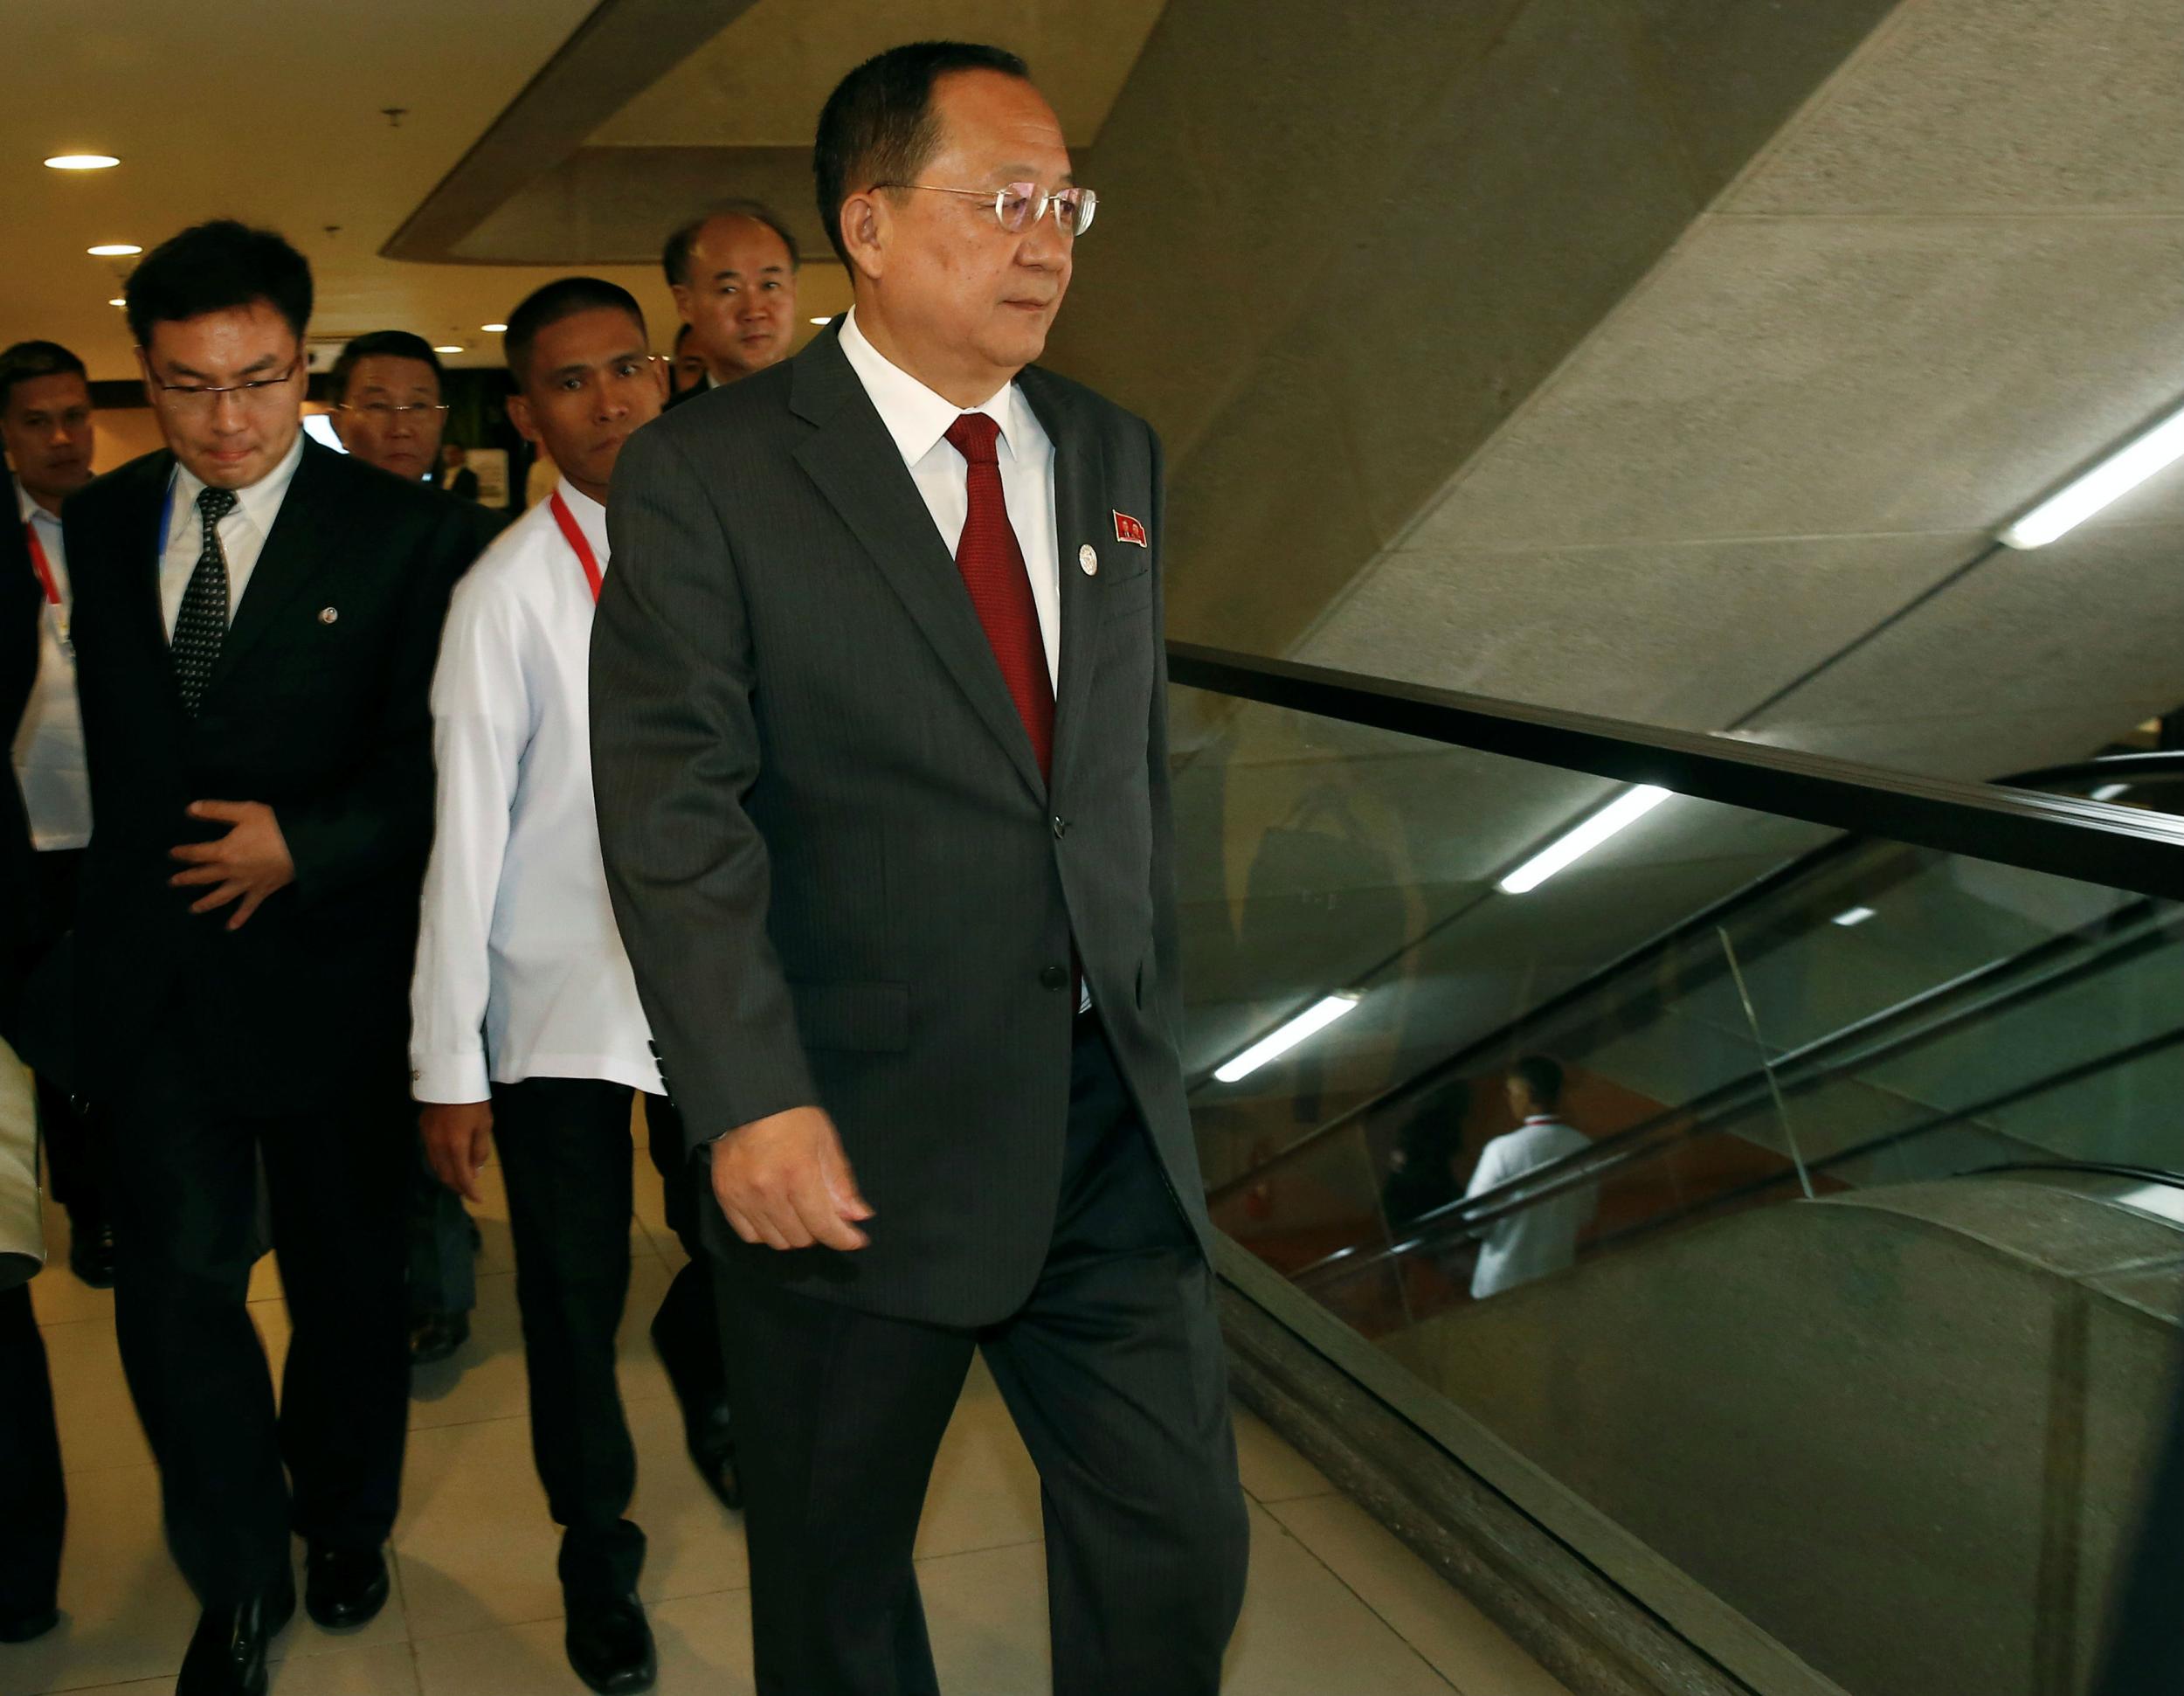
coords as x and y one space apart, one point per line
993 568
201 625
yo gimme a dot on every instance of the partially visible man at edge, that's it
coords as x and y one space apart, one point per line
45 422
888 837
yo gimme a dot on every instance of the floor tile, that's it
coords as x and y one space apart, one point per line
99 1429
1472 1652
359 1669
986 1612
1305 1633
1272 1471
985 1491
704 1645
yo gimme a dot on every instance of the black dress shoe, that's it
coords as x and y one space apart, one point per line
227 1656
611 1646
21 1628
433 1337
344 1586
91 1254
711 1436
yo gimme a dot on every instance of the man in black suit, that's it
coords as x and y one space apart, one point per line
256 623
733 274
888 837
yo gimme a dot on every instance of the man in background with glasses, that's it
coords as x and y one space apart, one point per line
256 623
880 752
385 391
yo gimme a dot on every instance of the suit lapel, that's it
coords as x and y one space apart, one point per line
294 552
1080 475
858 468
141 545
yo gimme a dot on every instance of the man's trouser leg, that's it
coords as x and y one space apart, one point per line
33 1503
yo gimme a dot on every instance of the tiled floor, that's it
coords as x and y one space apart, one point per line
1337 1607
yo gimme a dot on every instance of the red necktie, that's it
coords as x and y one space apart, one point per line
993 568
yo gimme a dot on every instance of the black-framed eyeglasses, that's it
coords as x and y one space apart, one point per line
1017 206
201 397
380 411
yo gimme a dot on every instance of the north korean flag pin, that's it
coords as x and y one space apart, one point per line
1088 557
1129 529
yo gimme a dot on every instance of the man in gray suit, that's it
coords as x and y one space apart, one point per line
879 733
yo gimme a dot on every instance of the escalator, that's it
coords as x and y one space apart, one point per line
1883 1162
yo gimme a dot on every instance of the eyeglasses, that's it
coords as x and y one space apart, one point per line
201 398
381 411
1019 205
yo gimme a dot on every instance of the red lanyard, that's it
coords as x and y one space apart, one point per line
577 543
39 564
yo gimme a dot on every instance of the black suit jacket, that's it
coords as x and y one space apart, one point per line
318 708
838 872
22 604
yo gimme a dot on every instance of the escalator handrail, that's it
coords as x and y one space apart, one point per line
2091 842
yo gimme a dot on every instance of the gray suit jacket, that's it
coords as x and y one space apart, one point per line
838 873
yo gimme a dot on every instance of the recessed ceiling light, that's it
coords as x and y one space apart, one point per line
81 161
493 330
118 301
2108 792
822 321
1851 918
447 346
1619 814
113 250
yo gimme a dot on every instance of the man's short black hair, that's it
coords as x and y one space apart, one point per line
1543 1078
383 344
878 126
29 360
563 298
674 259
217 268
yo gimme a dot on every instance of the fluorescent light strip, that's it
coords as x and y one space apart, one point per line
2111 479
1309 1022
1618 815
2108 792
1853 916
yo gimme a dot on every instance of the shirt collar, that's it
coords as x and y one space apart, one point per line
260 503
28 508
590 518
916 416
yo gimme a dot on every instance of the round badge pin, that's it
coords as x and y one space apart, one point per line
1089 558
328 614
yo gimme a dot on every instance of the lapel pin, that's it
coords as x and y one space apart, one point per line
328 614
1129 529
1089 559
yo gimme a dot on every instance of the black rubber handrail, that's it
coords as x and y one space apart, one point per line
2092 841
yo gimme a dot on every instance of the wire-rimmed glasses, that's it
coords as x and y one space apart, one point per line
1017 206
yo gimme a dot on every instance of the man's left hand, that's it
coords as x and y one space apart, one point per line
244 866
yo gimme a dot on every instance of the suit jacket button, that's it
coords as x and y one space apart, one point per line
1053 977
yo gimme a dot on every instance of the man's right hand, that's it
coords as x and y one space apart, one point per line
784 1180
457 1137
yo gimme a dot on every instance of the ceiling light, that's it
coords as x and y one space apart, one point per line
493 330
2111 479
1313 1019
447 346
1853 916
2108 792
81 161
1619 814
119 299
113 250
822 321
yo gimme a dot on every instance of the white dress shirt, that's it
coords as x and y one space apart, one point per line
242 532
918 419
1543 1237
49 761
520 970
